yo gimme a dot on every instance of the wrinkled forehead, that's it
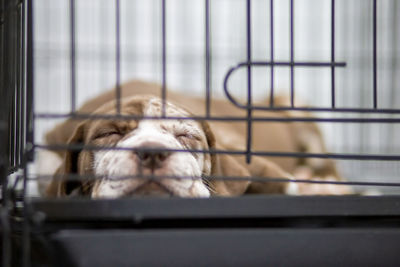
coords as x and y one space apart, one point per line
150 106
154 108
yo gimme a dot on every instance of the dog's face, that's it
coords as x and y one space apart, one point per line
146 156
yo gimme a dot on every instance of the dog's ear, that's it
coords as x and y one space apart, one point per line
224 165
229 167
73 161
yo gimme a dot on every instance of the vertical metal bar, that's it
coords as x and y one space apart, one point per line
3 108
22 77
73 56
10 130
375 74
30 77
249 91
291 54
30 127
12 65
333 53
2 44
12 99
5 240
208 77
164 57
30 81
18 91
271 97
118 57
394 67
6 44
6 248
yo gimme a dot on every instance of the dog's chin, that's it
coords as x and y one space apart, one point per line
147 186
152 189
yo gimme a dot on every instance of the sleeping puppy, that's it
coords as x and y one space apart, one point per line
163 157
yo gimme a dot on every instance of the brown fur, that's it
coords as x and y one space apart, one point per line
271 136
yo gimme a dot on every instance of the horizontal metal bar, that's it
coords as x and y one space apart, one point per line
257 206
322 109
220 151
77 177
288 63
81 116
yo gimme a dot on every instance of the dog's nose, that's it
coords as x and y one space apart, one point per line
153 158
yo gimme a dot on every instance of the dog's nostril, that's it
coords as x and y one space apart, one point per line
152 159
162 156
143 155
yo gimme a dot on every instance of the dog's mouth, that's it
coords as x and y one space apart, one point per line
151 188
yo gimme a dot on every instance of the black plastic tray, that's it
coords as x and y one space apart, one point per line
247 231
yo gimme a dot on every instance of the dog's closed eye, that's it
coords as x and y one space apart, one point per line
187 135
107 133
184 135
188 140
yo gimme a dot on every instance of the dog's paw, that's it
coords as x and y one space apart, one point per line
305 173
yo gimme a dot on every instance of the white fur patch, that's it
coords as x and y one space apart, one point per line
163 134
292 189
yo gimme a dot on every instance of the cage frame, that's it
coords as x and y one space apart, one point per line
313 218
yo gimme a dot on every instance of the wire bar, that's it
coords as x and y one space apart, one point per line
375 72
294 64
208 57
333 53
118 56
78 147
164 57
30 65
73 54
75 177
18 90
271 63
227 118
29 154
12 117
249 80
22 85
291 54
271 97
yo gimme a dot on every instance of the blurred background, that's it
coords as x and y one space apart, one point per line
141 50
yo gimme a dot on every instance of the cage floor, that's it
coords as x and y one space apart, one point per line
247 231
228 247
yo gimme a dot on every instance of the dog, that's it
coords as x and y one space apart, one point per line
151 148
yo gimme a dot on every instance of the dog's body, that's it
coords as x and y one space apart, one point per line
139 98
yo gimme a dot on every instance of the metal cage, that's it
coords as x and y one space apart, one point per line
252 230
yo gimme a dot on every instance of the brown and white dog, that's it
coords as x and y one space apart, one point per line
140 98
